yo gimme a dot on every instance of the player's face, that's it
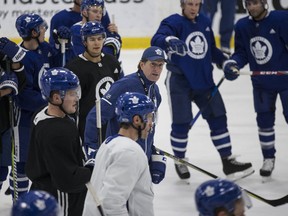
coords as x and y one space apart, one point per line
191 8
149 125
95 13
70 101
41 35
94 45
256 9
152 69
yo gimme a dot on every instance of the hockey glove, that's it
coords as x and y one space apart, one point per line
62 34
114 43
231 70
91 152
12 50
157 167
176 46
90 164
9 81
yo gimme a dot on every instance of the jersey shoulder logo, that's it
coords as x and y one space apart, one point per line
261 49
197 45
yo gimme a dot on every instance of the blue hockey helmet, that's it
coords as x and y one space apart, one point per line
130 104
58 79
86 4
92 28
25 23
219 193
36 203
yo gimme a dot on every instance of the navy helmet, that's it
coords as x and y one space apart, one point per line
36 203
86 4
217 193
92 28
130 104
25 23
58 79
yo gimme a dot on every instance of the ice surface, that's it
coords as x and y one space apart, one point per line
175 197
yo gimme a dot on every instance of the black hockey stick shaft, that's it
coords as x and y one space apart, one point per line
12 124
273 202
215 90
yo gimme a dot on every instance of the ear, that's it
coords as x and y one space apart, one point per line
56 99
34 33
141 64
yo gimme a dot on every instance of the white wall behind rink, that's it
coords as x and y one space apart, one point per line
135 18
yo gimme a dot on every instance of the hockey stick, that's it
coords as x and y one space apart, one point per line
209 100
63 50
273 202
98 123
95 198
12 137
263 73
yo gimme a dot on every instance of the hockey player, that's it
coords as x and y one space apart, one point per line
12 80
261 40
94 10
189 40
143 81
219 197
96 70
121 175
39 56
36 203
55 160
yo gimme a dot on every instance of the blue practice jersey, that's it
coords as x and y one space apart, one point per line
196 65
129 83
30 98
264 46
67 18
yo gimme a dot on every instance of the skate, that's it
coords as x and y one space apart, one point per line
235 170
267 169
182 170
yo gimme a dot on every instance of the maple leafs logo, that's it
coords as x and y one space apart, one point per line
259 50
197 45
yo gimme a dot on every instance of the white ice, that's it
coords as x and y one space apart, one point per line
175 197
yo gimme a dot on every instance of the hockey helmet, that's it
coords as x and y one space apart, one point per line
36 203
184 1
25 23
58 79
92 28
217 193
86 4
130 104
264 3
